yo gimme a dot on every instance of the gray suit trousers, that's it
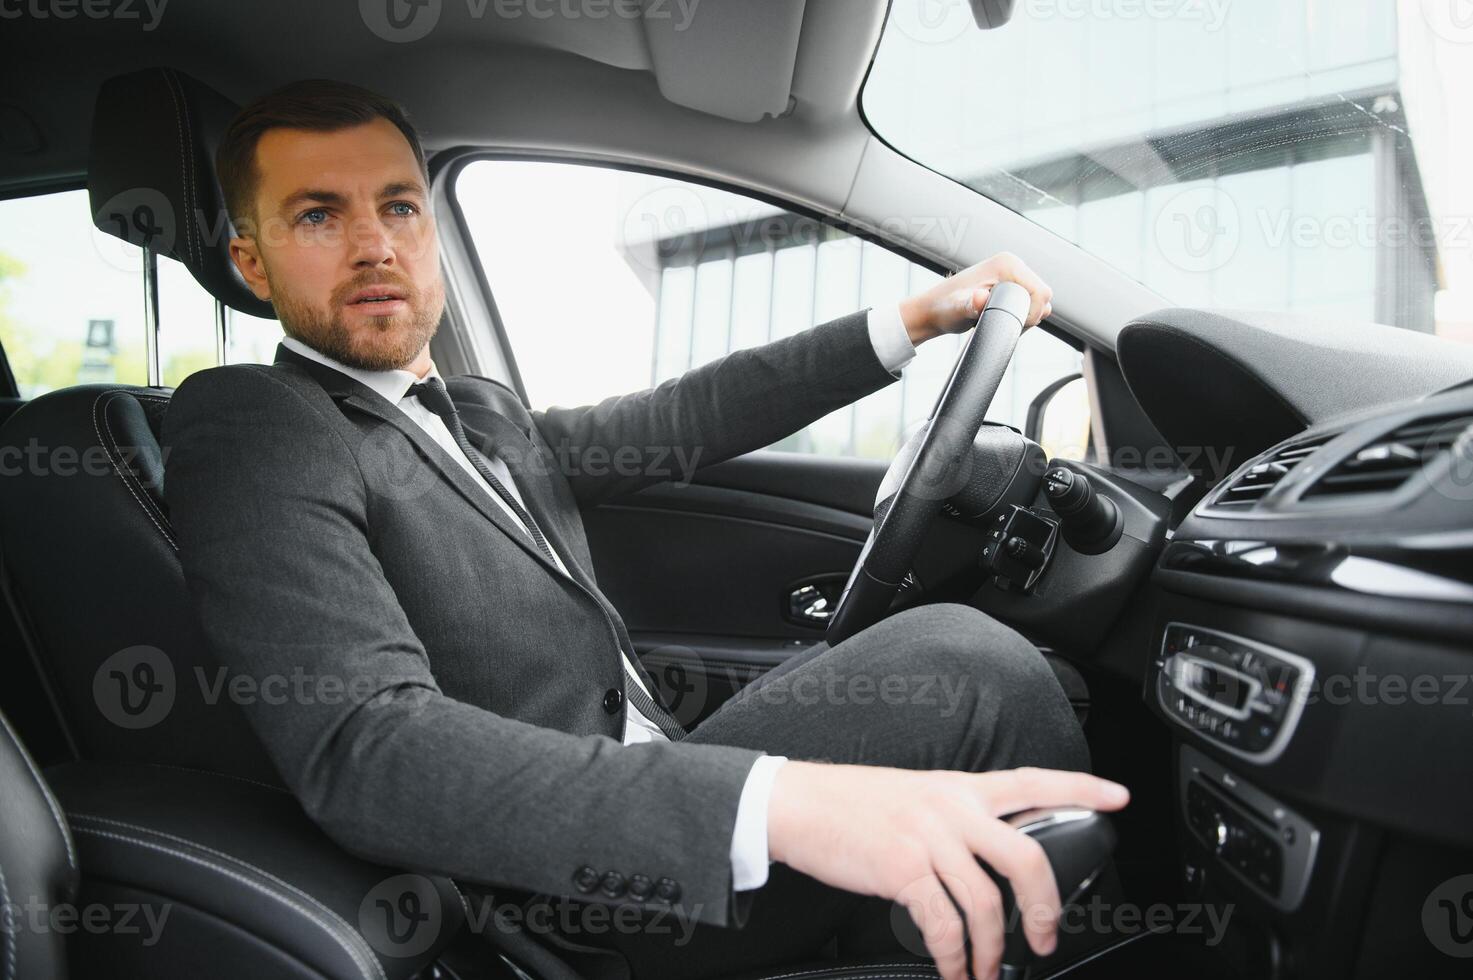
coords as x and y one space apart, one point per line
937 687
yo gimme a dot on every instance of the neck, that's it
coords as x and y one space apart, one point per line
420 366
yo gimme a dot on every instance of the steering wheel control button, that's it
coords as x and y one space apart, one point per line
666 890
613 700
612 884
1058 483
585 879
640 887
1021 549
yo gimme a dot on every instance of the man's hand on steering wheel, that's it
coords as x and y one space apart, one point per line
1003 297
953 305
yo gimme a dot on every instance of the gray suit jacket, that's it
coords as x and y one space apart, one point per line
429 686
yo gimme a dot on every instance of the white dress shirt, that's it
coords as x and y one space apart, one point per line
749 860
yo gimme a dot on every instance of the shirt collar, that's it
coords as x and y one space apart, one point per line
392 386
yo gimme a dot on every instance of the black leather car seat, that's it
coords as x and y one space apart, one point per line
90 558
38 866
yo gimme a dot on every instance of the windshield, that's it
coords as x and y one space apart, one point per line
1292 155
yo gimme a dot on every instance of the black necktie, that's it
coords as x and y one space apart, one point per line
433 395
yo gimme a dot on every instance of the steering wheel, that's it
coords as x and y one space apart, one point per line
920 479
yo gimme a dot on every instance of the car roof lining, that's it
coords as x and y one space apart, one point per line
573 90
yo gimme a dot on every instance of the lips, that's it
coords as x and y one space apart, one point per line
371 296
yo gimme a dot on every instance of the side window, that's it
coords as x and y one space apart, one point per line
71 308
611 281
71 304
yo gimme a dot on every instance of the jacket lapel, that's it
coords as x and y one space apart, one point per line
348 392
485 427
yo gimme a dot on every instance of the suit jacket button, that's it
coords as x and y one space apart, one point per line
585 879
613 700
640 887
613 884
666 890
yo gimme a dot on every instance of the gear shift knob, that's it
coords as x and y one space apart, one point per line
1078 844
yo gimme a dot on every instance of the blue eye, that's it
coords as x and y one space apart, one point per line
314 217
404 209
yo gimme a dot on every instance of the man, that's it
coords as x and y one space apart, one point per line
411 544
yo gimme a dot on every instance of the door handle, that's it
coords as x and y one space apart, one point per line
808 604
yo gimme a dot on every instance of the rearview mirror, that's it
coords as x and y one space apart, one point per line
992 13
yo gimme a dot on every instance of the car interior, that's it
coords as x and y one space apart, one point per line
1243 539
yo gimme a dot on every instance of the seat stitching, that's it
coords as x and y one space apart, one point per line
186 156
230 857
349 947
119 470
10 941
466 906
148 501
71 856
221 775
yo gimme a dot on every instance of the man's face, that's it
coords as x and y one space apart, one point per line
344 245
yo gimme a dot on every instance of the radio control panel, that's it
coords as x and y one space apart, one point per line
1240 694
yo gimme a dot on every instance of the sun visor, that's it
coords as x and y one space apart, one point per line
719 58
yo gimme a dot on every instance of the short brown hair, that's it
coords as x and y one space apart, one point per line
315 104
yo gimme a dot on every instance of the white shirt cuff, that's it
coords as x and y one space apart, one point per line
889 338
749 860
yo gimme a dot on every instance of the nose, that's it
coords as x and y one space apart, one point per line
370 245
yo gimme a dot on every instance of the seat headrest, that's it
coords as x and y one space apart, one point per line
151 176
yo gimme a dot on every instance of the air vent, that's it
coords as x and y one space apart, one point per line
1388 463
1266 474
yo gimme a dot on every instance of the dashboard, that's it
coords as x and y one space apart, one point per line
1311 642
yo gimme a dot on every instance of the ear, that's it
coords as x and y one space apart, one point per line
247 258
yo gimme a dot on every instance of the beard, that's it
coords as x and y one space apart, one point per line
384 343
